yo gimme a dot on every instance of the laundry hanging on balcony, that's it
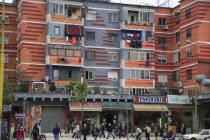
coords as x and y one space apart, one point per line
134 40
74 33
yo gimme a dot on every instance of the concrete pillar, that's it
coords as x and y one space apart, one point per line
120 116
98 119
132 120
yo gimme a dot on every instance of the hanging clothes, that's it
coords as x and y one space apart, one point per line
74 40
67 38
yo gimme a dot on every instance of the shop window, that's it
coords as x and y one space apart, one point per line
188 53
140 74
188 13
162 78
113 17
57 30
162 21
162 59
90 35
177 15
90 75
188 32
6 39
112 56
91 15
143 16
90 55
176 57
161 40
6 20
177 37
176 75
59 9
189 74
113 37
113 76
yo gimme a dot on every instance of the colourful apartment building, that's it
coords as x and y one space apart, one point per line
123 49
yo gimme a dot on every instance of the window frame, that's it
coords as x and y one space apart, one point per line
177 36
6 38
57 71
177 17
188 32
142 17
138 74
176 56
113 37
164 77
6 58
86 37
57 11
160 40
112 55
189 74
88 73
176 75
38 83
57 27
188 53
111 17
133 54
112 79
6 19
6 76
188 13
161 61
91 15
163 22
92 54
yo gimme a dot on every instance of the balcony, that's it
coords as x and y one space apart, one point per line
66 78
64 60
137 25
144 45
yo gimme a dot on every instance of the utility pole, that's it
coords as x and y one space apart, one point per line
2 63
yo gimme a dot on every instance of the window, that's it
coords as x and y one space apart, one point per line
162 21
112 56
177 15
176 75
188 53
161 40
177 37
6 39
188 13
56 30
143 17
140 74
65 50
90 55
138 55
5 76
69 74
189 74
6 21
90 75
205 133
162 59
59 9
176 57
113 37
188 32
138 91
91 16
112 17
163 78
39 85
90 35
6 58
55 74
113 76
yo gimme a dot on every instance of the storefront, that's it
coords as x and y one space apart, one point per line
91 113
180 112
149 110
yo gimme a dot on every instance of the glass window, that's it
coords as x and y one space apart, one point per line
176 56
57 30
176 75
56 74
140 74
162 21
162 59
138 55
38 85
90 35
189 74
162 78
5 76
188 53
59 9
90 55
6 58
188 32
6 21
177 18
177 36
143 17
161 40
6 39
91 16
112 56
113 37
112 76
112 17
90 75
188 13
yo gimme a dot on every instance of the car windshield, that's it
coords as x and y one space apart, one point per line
199 132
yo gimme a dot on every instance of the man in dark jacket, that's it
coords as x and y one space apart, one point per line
120 129
183 129
85 132
170 135
95 132
56 131
110 130
102 128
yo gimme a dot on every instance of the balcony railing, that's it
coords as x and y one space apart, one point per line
137 25
65 78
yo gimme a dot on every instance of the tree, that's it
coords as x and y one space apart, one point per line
8 92
78 93
24 81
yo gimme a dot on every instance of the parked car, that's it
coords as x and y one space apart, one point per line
200 135
207 138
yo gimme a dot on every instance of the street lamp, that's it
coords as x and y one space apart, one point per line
195 93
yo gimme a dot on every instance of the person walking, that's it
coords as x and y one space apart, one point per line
12 133
102 129
19 132
95 132
85 131
161 131
156 131
110 130
35 131
147 132
120 129
139 132
77 129
68 126
74 131
56 131
183 129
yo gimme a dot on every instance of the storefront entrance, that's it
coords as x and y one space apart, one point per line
109 117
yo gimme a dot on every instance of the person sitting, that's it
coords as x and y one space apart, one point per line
170 135
139 132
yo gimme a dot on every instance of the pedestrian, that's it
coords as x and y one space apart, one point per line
125 129
156 131
170 135
12 133
95 132
183 129
35 131
161 131
85 131
77 129
102 129
4 132
110 130
19 132
68 126
74 131
147 132
139 132
120 129
56 131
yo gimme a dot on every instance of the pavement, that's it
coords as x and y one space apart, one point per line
69 137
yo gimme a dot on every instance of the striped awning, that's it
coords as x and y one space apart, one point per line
150 107
87 106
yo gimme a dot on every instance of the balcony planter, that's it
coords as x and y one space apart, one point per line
52 87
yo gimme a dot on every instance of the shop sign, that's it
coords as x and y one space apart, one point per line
6 108
19 116
175 99
87 106
150 99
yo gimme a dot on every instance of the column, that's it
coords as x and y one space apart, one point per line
98 119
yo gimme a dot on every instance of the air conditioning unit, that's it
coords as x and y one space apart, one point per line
165 27
178 43
17 39
164 45
180 84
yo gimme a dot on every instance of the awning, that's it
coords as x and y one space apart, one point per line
74 30
150 107
87 106
117 106
180 106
